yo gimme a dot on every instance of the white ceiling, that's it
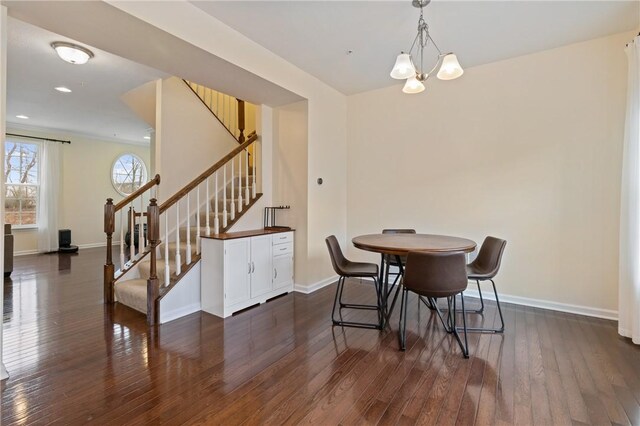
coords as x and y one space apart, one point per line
316 35
93 108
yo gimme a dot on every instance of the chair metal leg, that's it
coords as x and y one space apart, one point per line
393 304
335 299
338 298
464 347
447 325
429 302
481 310
402 332
489 330
355 305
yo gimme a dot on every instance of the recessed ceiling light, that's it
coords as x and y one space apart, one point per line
72 53
22 116
147 137
63 89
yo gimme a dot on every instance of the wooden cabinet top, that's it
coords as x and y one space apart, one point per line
247 234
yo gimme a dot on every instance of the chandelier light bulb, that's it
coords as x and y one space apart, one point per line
450 68
413 85
403 67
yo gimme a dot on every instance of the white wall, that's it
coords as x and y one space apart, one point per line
527 149
86 184
290 178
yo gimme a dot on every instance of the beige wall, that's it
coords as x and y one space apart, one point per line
290 177
527 149
86 184
188 139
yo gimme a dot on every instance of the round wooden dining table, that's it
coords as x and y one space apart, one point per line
402 244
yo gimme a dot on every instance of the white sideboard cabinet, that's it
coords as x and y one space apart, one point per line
241 269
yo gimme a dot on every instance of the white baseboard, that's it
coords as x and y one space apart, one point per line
547 304
544 304
92 245
165 317
80 246
24 252
307 289
3 372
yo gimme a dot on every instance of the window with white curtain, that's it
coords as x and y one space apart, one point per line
22 183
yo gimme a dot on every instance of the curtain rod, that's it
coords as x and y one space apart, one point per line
38 138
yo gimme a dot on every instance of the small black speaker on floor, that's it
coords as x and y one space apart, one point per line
64 241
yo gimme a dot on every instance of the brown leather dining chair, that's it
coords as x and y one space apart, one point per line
434 276
484 268
348 269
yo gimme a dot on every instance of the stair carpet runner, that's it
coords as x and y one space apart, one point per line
133 292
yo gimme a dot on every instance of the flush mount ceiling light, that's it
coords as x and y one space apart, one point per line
404 68
72 53
63 89
22 116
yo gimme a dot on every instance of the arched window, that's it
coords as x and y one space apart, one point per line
128 173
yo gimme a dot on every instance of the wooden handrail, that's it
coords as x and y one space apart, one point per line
204 175
138 192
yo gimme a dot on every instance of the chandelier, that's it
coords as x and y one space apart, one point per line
404 68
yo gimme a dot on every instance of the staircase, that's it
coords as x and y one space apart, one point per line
210 204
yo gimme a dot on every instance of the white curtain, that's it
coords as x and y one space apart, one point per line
629 273
48 201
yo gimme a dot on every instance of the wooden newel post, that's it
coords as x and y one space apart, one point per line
153 289
109 228
241 120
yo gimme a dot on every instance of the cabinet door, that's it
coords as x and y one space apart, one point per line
261 265
282 271
236 271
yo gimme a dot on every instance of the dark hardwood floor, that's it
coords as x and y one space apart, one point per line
73 360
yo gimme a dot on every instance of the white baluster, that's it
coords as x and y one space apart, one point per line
198 218
239 182
224 196
254 187
167 268
188 229
232 204
216 220
132 247
247 195
207 207
122 224
178 258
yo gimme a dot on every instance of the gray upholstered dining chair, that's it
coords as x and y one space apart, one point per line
484 268
348 269
434 276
